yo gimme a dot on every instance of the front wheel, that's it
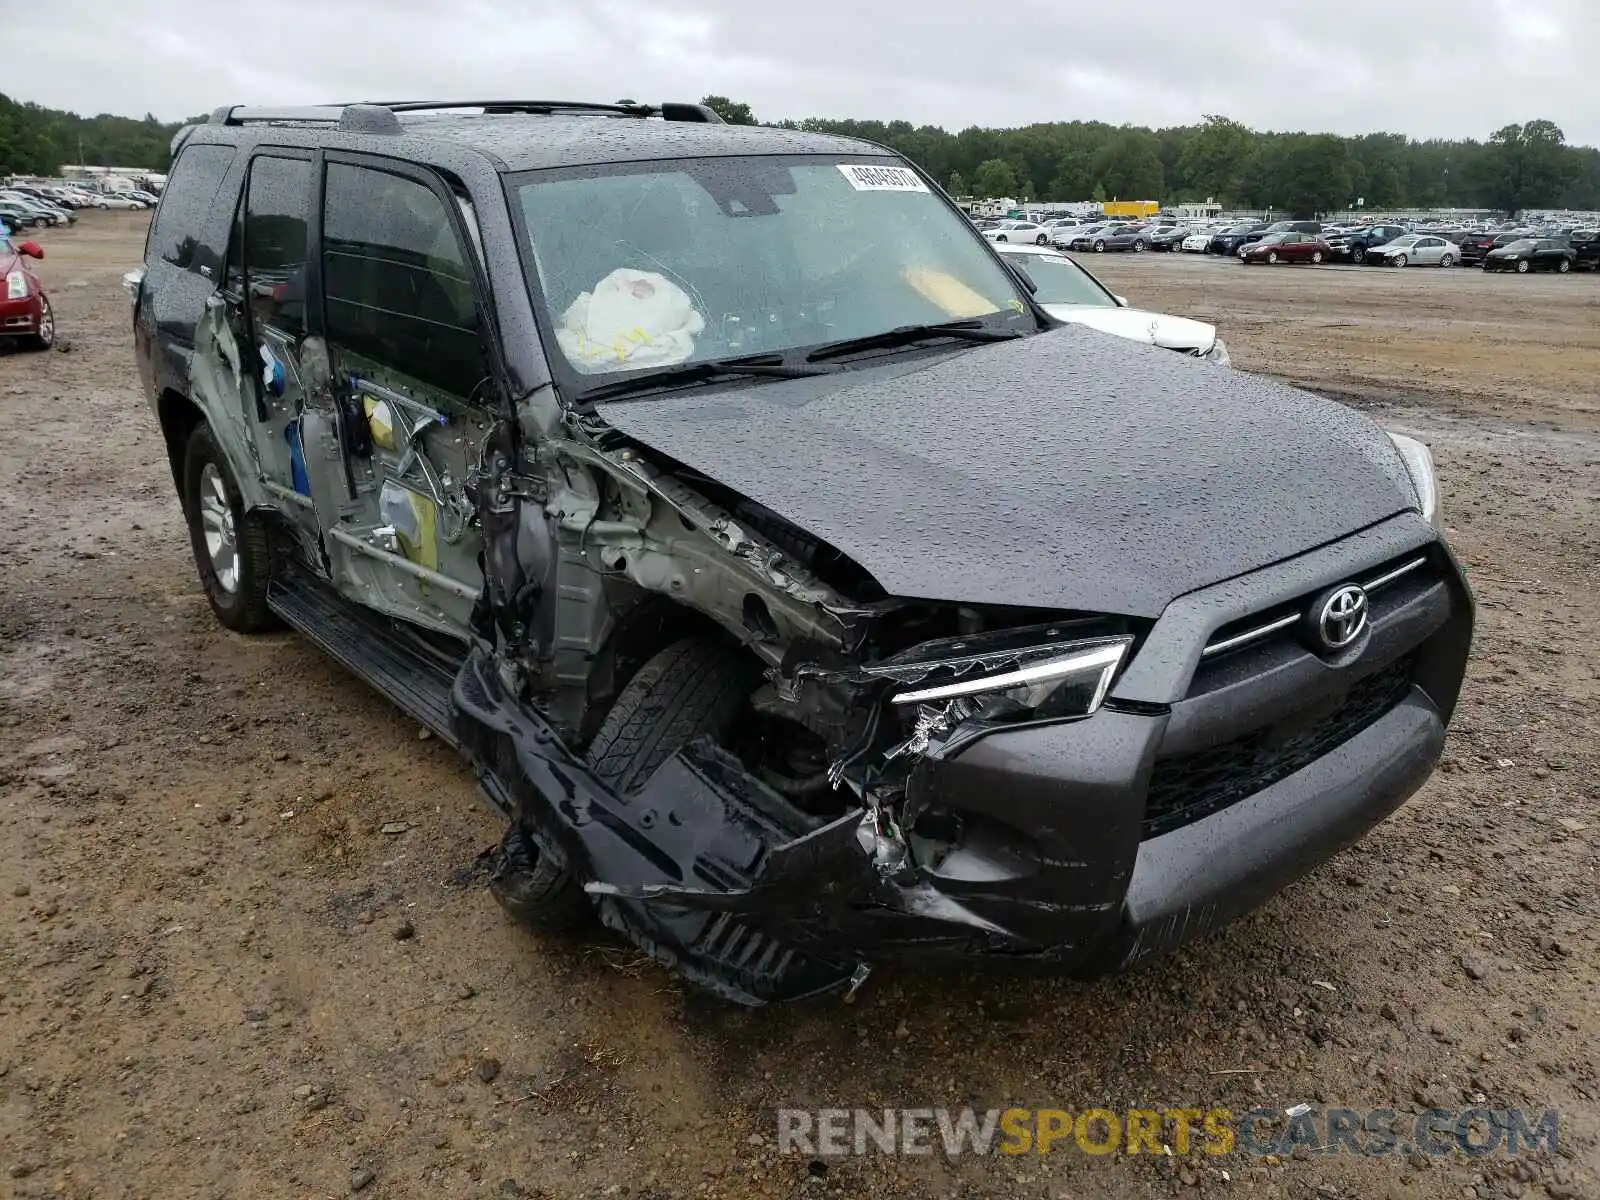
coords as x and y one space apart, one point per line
1316 257
1358 255
1399 260
1272 258
1523 266
1099 246
232 549
44 335
1563 266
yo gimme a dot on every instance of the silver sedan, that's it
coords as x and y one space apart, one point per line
1417 250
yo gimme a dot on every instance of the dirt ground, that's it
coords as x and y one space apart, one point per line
220 976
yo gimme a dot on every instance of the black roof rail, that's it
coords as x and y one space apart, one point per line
351 118
367 117
669 111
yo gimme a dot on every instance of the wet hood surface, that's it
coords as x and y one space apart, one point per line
1070 470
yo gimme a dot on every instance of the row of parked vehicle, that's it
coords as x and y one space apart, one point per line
1076 233
1520 250
32 206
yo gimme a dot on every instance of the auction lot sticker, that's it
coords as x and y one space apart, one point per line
882 179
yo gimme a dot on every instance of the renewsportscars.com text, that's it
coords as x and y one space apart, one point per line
1474 1131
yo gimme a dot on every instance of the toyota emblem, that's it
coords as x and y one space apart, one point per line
1339 616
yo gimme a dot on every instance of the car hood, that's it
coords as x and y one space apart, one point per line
1068 470
1151 328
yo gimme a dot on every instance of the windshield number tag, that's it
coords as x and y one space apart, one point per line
881 179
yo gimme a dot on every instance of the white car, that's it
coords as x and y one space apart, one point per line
1018 231
1069 293
108 200
1417 249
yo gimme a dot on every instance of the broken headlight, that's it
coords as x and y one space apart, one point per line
996 681
16 286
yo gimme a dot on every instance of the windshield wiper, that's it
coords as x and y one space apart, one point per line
766 366
904 335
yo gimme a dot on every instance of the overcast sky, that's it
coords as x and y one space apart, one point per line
1429 68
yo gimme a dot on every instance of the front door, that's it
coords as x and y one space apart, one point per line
411 399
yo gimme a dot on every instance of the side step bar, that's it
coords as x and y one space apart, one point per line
415 677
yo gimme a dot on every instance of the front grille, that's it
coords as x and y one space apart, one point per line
1186 788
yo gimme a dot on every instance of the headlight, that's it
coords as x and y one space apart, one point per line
1419 465
1219 353
16 286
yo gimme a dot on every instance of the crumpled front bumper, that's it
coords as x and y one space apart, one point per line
1085 845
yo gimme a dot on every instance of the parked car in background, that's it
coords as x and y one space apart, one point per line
19 216
1314 227
1417 250
1228 240
1585 244
48 214
119 200
1288 247
1018 231
1197 242
25 314
1085 236
1170 239
1134 238
1532 254
1070 293
1475 245
1355 245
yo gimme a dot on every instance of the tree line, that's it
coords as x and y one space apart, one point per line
37 141
1528 166
1518 167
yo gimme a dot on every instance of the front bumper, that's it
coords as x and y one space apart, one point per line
1202 786
20 318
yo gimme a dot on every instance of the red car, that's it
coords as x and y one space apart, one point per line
1286 247
25 313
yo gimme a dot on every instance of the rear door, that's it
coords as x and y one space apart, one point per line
262 303
406 317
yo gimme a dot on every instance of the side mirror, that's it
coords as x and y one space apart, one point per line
1122 301
30 249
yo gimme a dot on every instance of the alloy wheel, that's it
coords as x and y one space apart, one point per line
216 519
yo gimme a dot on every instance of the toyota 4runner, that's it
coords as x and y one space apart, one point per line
801 592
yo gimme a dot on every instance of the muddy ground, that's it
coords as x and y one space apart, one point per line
219 976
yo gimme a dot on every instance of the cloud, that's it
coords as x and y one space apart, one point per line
1429 68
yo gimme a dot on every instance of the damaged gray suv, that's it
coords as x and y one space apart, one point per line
800 591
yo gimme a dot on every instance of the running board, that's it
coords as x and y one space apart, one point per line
414 676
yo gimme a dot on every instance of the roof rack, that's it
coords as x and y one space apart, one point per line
367 117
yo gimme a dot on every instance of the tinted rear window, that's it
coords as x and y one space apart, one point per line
186 203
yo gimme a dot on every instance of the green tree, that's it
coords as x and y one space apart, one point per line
1527 166
1129 166
731 111
995 178
958 184
1213 159
1314 174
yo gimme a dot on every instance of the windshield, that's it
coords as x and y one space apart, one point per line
1062 281
655 264
1519 244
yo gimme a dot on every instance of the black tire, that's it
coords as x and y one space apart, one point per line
1138 246
533 890
693 687
1523 266
244 607
999 237
1042 240
1099 247
46 336
1564 266
1358 255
